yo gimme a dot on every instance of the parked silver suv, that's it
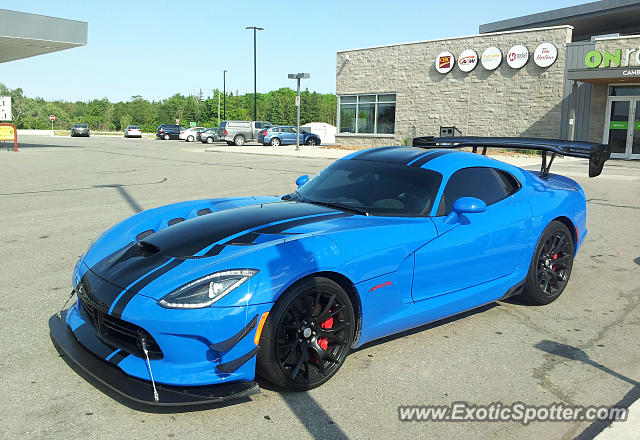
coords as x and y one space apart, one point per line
239 132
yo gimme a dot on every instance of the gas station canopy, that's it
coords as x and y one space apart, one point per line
24 35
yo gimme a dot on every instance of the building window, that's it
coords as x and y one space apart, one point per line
624 90
367 114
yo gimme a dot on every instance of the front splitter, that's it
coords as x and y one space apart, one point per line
139 390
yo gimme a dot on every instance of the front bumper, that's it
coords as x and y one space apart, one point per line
138 390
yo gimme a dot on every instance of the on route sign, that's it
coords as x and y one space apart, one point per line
7 132
52 117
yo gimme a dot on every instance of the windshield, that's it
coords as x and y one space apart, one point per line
375 187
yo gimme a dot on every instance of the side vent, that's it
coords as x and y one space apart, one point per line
175 221
204 211
141 236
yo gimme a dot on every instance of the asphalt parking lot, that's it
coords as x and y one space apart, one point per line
58 194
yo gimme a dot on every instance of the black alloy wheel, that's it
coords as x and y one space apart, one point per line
307 336
551 265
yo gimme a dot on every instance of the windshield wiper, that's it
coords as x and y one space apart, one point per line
292 196
337 205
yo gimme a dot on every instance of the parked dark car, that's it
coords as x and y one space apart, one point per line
169 131
210 135
80 130
283 135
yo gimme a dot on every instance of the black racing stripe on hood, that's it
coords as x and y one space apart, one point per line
281 227
250 237
187 238
96 291
418 163
132 267
128 295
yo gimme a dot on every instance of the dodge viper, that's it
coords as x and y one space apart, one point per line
186 303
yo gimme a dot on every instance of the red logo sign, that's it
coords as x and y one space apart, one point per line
444 62
512 56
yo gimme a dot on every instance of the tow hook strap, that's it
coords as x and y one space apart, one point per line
143 340
59 314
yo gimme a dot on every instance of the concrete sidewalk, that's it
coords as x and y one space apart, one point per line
627 430
283 150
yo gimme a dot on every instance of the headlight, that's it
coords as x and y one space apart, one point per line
205 291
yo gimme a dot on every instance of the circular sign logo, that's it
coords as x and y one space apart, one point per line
545 55
467 60
445 62
517 56
491 58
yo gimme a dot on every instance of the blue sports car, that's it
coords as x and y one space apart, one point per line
186 303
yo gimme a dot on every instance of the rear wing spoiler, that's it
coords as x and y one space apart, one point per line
597 154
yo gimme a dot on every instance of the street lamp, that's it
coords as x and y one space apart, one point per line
298 77
224 91
255 63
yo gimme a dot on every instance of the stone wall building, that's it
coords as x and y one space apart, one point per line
580 80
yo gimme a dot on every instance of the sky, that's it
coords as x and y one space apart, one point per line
159 48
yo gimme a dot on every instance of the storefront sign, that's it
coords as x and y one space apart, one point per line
468 60
517 56
491 58
617 58
445 62
545 55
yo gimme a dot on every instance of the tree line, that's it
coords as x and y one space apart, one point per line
277 107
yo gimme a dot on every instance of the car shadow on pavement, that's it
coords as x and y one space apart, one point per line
312 415
576 354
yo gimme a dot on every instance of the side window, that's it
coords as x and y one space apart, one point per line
258 124
511 184
479 182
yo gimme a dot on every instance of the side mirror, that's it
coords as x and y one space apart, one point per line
302 180
465 205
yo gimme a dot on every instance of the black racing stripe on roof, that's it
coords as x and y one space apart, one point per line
418 163
398 155
370 151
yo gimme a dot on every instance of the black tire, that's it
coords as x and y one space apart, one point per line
189 138
550 266
239 140
305 341
312 141
275 142
209 140
166 137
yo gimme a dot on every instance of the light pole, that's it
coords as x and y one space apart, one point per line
224 91
298 77
255 70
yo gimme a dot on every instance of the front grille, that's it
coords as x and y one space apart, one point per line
118 333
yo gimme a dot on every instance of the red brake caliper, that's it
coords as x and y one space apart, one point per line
555 257
324 342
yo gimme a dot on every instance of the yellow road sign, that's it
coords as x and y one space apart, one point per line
6 133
